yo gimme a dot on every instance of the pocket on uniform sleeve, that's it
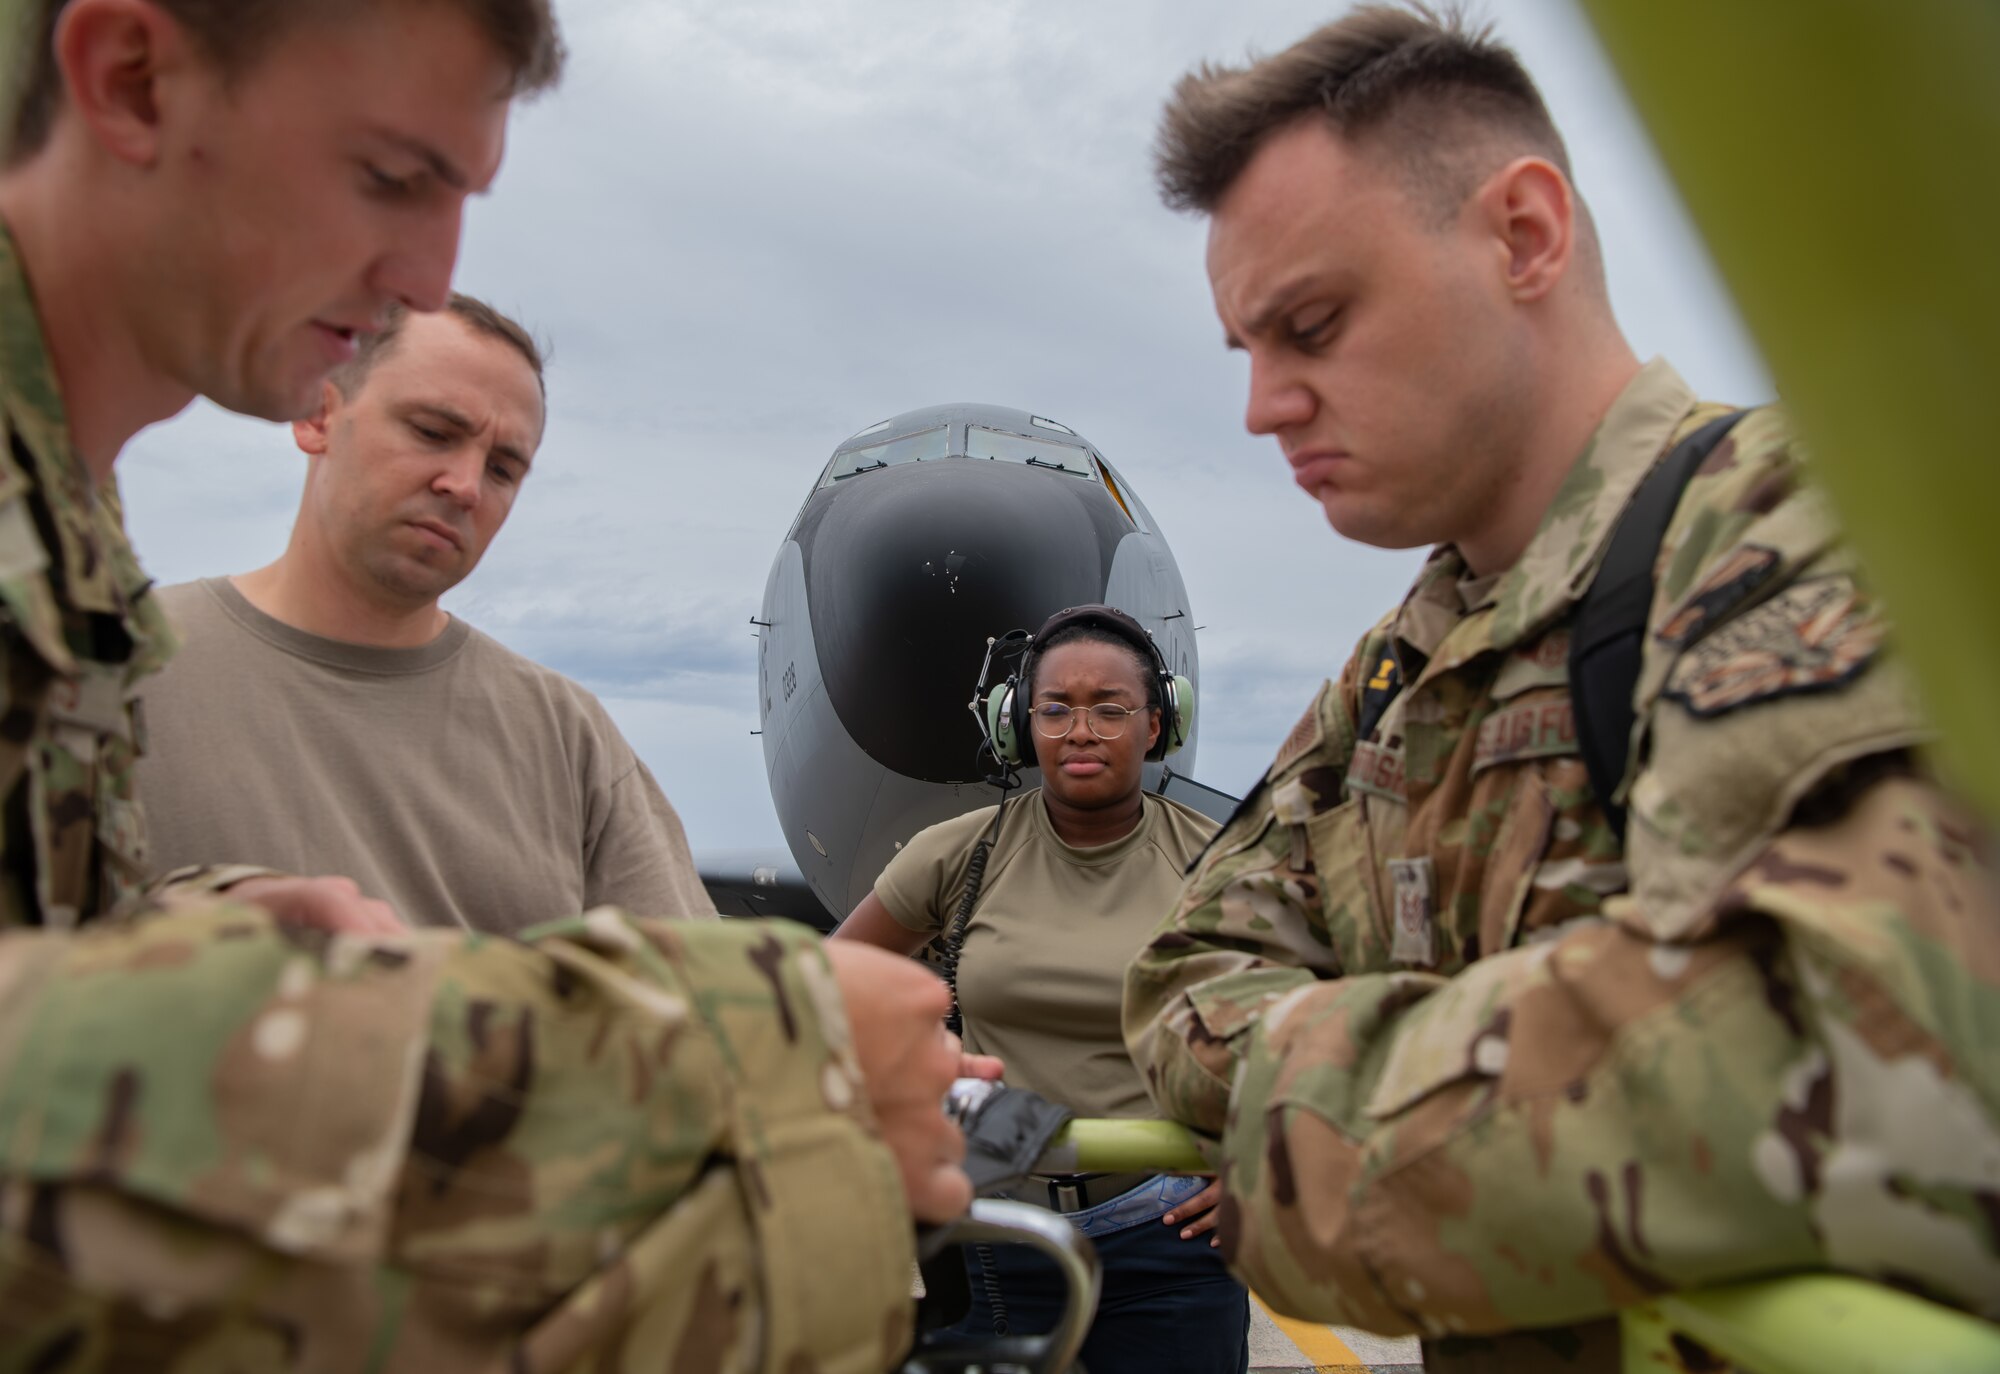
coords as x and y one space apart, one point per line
1460 1032
1342 845
1512 866
211 1063
1263 895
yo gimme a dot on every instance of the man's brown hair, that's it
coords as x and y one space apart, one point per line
235 32
1442 99
477 315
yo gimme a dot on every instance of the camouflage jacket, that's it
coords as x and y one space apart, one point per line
77 632
1474 1068
612 1145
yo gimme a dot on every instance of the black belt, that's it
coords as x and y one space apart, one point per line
1075 1192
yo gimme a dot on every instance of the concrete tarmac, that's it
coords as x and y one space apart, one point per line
1283 1345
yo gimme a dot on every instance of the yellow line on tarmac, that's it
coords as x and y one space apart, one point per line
1315 1341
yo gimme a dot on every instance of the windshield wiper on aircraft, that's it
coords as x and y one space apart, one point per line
1058 464
865 467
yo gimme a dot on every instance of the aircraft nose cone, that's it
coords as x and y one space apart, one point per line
908 571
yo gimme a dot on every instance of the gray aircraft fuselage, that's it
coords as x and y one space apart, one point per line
924 536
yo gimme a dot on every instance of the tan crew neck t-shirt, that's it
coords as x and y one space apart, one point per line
1042 971
458 781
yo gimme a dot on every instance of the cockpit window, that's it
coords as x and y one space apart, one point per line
981 442
920 447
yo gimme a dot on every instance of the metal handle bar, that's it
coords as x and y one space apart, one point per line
994 1221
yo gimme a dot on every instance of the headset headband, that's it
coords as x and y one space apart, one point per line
1099 617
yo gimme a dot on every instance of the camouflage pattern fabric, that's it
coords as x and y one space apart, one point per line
1475 1070
229 1145
79 633
614 1145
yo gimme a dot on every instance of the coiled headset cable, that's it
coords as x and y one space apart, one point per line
1007 780
975 879
954 944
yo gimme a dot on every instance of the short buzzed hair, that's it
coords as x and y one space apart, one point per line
477 315
234 33
1445 102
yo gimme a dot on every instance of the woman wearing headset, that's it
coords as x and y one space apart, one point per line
1077 877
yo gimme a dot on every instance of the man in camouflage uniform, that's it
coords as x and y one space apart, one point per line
1481 1071
234 1132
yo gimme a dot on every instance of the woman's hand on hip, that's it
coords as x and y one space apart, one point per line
1198 1212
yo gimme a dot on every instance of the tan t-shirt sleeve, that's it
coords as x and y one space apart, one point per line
638 858
920 886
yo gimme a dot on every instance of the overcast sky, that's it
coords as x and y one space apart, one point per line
752 227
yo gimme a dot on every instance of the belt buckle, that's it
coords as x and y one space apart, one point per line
1067 1192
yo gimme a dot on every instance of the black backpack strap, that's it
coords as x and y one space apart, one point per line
1608 637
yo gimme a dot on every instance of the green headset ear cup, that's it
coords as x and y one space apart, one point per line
1000 724
1180 720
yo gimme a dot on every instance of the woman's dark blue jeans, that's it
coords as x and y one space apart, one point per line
1169 1306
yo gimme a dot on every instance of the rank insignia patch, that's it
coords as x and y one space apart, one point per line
1722 591
1413 881
1812 636
1380 689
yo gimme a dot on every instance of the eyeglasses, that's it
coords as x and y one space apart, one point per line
1107 719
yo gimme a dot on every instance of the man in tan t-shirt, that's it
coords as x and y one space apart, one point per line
327 715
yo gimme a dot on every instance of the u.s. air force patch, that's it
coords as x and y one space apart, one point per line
1721 592
1812 636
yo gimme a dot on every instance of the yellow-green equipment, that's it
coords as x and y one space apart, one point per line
1842 160
1803 1324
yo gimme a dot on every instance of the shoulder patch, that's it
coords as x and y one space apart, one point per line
1812 636
1304 737
1728 586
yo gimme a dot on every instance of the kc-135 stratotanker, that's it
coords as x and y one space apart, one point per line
924 536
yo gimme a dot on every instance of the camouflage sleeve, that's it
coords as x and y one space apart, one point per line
1774 1054
1249 928
1768 667
1570 1127
619 1144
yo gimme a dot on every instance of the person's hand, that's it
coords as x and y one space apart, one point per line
334 904
895 1009
1199 1212
986 1066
